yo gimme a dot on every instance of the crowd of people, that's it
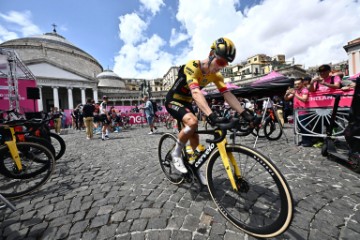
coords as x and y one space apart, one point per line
324 81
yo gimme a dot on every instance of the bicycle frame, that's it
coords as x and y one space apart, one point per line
227 158
11 144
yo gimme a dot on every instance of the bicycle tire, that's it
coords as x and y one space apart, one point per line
166 145
258 132
41 141
59 145
38 164
243 207
272 130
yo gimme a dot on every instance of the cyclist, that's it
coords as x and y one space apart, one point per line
192 77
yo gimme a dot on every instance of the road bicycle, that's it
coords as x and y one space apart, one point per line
267 123
247 187
24 166
38 131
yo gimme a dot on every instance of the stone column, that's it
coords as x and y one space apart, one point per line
83 100
40 101
95 95
70 98
56 97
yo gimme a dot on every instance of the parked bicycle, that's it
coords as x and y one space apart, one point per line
247 187
38 131
267 124
24 166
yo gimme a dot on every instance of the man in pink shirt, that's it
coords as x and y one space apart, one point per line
302 94
325 81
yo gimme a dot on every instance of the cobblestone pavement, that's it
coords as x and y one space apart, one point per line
115 189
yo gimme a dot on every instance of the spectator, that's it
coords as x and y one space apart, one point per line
97 120
63 118
306 82
279 104
325 81
88 115
301 93
149 113
105 118
57 120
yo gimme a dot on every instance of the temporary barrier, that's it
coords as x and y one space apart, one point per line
313 116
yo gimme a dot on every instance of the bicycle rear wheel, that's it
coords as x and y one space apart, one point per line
263 205
272 130
37 162
59 145
166 146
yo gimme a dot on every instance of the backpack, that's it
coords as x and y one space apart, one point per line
155 106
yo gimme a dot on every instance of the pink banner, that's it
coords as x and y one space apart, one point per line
323 99
26 105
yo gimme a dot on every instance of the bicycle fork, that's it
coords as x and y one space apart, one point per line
11 144
228 158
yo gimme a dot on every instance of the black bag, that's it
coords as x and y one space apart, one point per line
155 107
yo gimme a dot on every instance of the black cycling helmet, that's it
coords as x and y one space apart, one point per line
225 48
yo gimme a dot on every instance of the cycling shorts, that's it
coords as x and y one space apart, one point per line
178 109
104 119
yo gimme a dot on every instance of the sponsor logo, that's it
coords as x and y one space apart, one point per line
189 70
205 155
195 64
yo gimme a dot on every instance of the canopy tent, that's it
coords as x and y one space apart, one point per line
231 86
269 85
354 76
272 77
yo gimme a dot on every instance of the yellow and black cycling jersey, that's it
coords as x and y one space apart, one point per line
190 76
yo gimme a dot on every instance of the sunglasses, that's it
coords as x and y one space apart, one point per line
220 61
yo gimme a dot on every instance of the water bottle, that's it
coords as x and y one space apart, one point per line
200 149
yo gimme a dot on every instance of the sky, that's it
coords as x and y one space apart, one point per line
144 38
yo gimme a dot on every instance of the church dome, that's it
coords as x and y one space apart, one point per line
110 79
54 48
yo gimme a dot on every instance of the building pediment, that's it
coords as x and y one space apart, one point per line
50 71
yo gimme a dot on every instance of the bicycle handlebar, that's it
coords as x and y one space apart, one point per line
222 127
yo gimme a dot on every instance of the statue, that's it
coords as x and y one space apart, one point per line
145 89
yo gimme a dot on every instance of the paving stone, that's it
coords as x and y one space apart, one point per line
139 225
150 212
118 216
63 231
79 227
100 221
157 223
107 232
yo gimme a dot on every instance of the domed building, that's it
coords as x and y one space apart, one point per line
65 74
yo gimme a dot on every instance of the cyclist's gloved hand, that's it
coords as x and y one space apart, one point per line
249 118
213 119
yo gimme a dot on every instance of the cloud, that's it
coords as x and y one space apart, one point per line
310 31
6 35
177 38
152 5
144 60
22 22
131 28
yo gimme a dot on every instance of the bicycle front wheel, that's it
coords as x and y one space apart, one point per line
37 166
166 146
262 205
